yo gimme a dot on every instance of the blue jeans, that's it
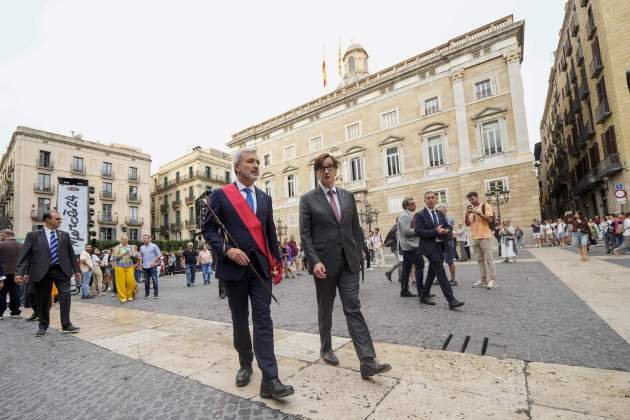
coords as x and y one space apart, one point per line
206 269
150 274
190 273
85 284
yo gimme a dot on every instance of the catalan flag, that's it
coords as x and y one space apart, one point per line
339 60
324 68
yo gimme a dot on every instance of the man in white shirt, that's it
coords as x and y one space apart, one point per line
377 243
86 264
626 237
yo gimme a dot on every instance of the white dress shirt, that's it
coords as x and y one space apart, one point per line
241 187
48 232
334 197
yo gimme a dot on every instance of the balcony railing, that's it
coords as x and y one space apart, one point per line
108 195
569 118
191 224
567 89
108 219
583 89
163 208
133 198
602 112
133 177
590 29
190 200
163 230
176 227
567 47
44 164
563 65
596 67
201 175
587 183
38 214
77 169
44 188
176 204
609 166
107 173
133 221
587 133
579 55
572 74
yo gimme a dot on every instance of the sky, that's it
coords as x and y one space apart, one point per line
166 76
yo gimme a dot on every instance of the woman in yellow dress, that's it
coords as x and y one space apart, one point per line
124 255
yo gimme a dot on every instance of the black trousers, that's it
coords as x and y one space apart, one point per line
410 258
43 288
13 290
436 269
240 294
348 285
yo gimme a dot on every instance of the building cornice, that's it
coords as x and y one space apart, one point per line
464 44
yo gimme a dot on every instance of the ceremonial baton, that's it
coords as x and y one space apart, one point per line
249 263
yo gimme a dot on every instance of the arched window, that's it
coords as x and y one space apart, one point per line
351 65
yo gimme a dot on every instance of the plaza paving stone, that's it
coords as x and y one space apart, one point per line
63 377
532 316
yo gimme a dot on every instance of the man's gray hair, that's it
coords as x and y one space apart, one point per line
406 202
240 152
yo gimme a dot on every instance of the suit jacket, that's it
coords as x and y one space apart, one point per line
425 229
226 269
407 238
323 238
34 259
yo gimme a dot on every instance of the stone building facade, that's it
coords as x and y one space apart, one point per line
35 160
585 129
451 120
176 185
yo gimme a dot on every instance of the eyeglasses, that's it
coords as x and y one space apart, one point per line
329 168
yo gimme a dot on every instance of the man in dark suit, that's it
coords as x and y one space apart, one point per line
332 240
430 226
47 257
246 213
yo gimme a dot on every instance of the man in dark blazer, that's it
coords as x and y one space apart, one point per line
47 257
430 226
332 241
241 283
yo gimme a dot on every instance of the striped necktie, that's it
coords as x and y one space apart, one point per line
54 256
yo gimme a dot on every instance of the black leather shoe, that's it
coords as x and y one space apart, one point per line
33 317
243 376
427 301
40 332
407 294
454 304
70 329
388 275
329 357
370 367
273 388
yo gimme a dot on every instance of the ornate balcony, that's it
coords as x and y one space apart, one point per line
134 221
590 29
596 66
587 183
191 224
610 165
108 195
602 112
583 90
134 198
107 173
38 214
163 208
107 219
44 188
133 178
176 227
587 133
176 204
44 164
579 55
190 200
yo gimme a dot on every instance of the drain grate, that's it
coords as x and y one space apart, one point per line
468 345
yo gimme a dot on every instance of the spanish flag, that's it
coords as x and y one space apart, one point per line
324 68
339 60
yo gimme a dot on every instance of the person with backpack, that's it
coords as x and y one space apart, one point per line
480 218
391 241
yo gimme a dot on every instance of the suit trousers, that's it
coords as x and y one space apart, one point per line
43 289
348 285
238 293
413 257
13 290
436 269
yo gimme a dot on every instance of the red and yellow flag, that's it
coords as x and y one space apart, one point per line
324 69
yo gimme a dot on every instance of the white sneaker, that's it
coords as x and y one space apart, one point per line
480 284
492 285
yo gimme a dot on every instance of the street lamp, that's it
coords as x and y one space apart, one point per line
368 215
498 196
280 229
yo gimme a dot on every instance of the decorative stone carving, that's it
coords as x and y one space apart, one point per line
457 75
512 56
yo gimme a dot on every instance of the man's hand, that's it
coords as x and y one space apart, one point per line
319 270
441 230
238 256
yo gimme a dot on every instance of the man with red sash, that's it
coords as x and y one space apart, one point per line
247 215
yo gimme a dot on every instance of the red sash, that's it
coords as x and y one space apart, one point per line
254 227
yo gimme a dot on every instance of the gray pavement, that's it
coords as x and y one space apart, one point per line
532 316
63 377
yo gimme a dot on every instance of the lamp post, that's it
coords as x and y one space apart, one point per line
368 215
498 196
280 229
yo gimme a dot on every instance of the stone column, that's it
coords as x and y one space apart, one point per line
513 60
457 78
